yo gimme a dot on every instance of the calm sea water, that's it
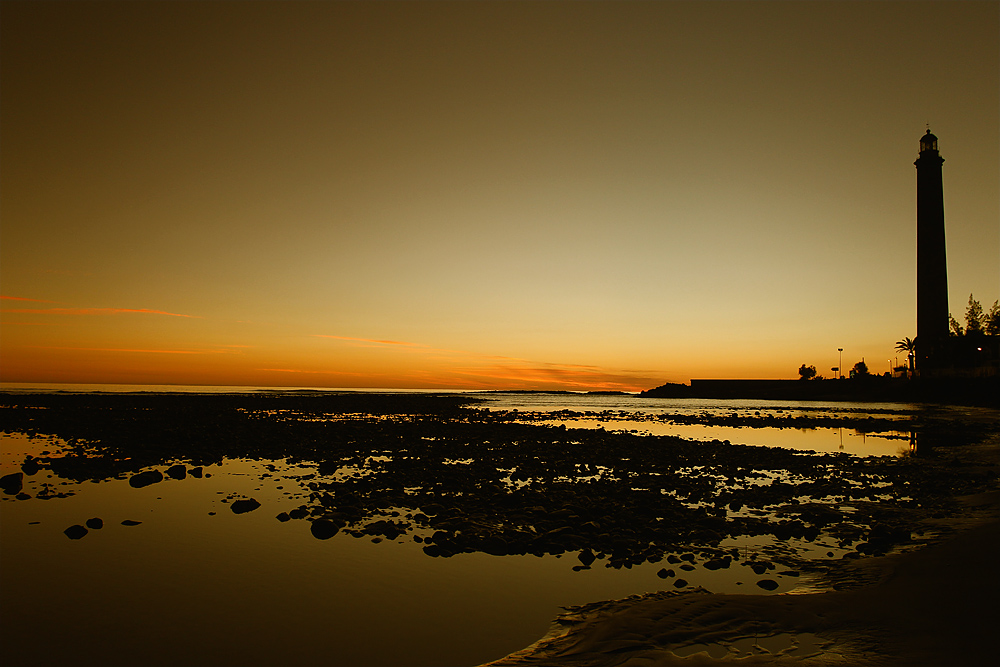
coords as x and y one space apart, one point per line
194 583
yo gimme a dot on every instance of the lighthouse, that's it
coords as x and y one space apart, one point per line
932 268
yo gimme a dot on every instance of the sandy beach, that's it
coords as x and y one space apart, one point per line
933 607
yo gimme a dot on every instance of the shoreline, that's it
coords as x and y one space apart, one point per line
930 606
454 479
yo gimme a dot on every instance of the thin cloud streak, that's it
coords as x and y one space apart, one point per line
93 311
122 349
565 376
371 340
23 298
524 371
310 372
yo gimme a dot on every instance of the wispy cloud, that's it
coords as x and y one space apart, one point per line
23 298
127 349
371 340
312 372
568 376
473 369
93 311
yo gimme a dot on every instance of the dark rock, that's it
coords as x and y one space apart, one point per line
664 573
145 479
298 513
245 505
95 523
195 472
587 557
680 583
75 532
758 568
130 522
768 584
177 472
717 563
23 496
283 517
687 567
323 529
12 484
30 466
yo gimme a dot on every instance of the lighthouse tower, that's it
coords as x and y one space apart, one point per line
932 268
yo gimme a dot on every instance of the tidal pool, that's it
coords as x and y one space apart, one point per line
195 583
174 575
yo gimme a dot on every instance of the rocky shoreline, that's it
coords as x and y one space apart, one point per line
443 472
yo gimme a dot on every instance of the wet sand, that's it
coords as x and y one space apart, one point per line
934 606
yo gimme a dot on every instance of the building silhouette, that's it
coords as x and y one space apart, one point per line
932 268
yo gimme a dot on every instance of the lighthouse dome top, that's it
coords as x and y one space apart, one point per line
928 142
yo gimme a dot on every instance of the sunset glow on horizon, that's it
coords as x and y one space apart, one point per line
488 195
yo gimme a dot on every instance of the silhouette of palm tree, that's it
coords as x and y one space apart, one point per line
910 347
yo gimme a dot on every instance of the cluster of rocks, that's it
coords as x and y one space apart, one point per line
177 471
77 531
458 479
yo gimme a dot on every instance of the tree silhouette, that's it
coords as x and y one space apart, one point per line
860 369
956 328
909 346
975 318
807 372
993 320
977 321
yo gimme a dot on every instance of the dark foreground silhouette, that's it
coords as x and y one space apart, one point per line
462 479
455 478
927 608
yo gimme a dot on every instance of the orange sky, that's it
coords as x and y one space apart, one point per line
482 195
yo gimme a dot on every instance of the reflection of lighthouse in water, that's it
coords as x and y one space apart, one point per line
932 267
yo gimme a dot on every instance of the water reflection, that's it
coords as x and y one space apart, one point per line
858 443
260 516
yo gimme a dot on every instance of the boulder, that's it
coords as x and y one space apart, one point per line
11 484
75 532
768 584
323 529
177 472
244 505
145 479
95 523
30 466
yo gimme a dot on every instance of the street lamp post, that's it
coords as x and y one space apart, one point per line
840 367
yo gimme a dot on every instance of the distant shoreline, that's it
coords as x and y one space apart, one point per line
982 392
